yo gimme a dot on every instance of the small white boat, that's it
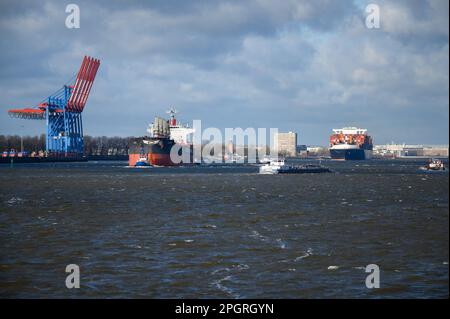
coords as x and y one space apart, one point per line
265 160
271 167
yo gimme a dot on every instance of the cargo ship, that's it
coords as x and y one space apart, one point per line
350 143
157 147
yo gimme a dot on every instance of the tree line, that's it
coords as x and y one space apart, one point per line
93 145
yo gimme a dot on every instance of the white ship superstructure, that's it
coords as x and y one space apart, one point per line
179 133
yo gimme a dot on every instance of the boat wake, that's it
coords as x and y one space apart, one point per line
280 243
308 253
229 277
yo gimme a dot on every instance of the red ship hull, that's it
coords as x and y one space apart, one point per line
153 159
157 153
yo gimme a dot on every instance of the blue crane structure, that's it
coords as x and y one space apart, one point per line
62 112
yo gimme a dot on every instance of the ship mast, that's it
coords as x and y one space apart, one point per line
173 121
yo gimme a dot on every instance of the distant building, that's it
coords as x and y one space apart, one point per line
317 151
301 148
404 150
314 149
286 143
436 150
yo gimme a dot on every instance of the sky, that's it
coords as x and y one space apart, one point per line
303 66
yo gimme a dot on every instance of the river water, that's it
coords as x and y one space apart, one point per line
223 231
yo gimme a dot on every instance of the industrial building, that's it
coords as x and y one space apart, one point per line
405 150
286 143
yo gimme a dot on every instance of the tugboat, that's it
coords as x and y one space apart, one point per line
142 162
279 167
434 165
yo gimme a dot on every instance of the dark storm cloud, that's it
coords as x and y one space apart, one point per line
297 65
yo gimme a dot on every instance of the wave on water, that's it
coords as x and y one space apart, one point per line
278 242
227 290
308 253
333 267
15 200
230 273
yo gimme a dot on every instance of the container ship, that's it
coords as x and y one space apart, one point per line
350 143
164 135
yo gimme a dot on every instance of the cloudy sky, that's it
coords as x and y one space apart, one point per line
306 66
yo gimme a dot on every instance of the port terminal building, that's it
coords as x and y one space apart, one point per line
410 150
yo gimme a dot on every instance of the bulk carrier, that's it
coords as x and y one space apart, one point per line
350 143
157 147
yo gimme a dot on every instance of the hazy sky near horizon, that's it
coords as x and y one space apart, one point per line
304 66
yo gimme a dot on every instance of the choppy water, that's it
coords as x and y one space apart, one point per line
223 232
